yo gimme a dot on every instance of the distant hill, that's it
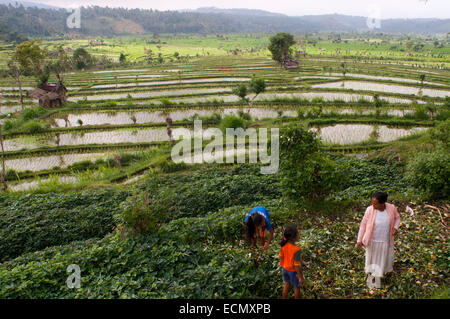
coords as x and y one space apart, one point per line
244 12
37 21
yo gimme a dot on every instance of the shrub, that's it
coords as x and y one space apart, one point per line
8 125
82 165
136 215
430 173
443 114
169 167
421 113
240 91
34 127
232 121
244 115
32 113
305 171
100 161
10 174
166 102
441 132
127 158
314 112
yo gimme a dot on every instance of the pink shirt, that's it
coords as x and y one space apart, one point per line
367 223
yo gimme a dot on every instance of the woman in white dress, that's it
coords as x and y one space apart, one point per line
377 230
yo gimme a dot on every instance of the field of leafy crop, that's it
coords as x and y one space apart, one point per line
87 178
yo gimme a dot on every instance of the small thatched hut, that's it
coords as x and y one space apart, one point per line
50 95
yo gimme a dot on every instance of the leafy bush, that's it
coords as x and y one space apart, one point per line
165 102
82 165
11 174
443 114
32 127
232 121
8 125
305 171
100 161
442 132
32 113
429 172
169 166
137 215
421 113
241 91
244 115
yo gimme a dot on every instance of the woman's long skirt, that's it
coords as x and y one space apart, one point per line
379 258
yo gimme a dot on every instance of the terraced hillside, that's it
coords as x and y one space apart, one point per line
73 172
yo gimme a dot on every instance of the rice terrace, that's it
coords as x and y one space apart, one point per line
89 119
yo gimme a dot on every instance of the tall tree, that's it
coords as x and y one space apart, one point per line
280 46
27 59
30 57
60 65
257 86
81 58
15 71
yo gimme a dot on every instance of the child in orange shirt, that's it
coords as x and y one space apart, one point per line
290 262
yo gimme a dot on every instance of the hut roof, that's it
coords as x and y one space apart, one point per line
42 94
47 90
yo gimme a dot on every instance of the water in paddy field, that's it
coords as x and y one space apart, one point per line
171 82
368 86
387 134
35 183
368 111
47 162
224 154
102 137
148 94
329 96
26 88
123 117
376 77
132 136
355 133
6 109
118 71
139 76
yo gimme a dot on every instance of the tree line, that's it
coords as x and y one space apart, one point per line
95 20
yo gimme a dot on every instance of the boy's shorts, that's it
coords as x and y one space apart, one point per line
290 277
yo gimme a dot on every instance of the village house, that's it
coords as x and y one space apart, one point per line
50 95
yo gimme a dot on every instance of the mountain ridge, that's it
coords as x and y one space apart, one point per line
105 21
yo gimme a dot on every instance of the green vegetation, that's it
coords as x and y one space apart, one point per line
92 183
306 173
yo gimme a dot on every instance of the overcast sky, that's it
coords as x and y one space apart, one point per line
387 8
